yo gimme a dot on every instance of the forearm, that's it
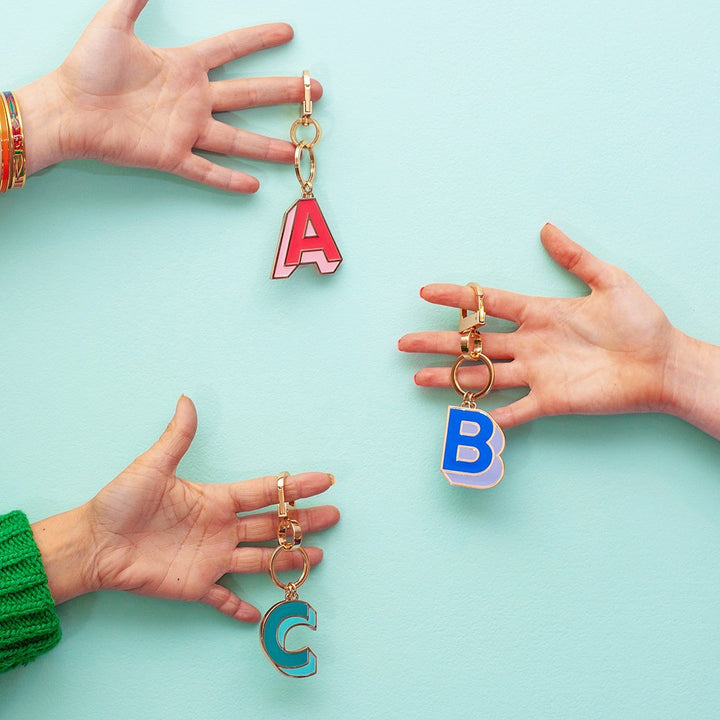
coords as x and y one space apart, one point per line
692 383
66 546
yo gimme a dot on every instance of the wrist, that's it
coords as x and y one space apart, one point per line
66 545
45 122
675 381
691 381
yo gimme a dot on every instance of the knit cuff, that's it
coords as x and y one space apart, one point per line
29 625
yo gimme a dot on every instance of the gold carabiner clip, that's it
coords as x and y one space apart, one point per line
473 319
471 347
469 324
307 101
289 533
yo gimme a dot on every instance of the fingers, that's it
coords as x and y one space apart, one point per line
498 346
193 167
257 560
261 492
123 13
498 303
574 257
245 93
229 46
221 138
259 528
507 375
254 560
517 413
168 451
230 604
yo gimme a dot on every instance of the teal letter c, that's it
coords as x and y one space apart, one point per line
276 624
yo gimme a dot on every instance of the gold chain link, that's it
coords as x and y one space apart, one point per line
289 537
306 147
471 349
305 183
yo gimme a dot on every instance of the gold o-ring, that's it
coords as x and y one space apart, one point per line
305 182
472 396
304 574
305 122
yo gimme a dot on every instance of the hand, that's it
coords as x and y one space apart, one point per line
152 533
118 100
608 352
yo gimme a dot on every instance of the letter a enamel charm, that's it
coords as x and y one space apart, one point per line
305 238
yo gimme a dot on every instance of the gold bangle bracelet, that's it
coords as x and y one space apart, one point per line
5 149
15 126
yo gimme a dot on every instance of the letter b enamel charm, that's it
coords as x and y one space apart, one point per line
473 443
473 440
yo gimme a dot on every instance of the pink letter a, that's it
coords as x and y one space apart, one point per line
304 239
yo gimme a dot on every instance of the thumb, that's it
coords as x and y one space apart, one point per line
123 13
168 451
573 257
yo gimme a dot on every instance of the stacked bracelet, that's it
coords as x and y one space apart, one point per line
12 144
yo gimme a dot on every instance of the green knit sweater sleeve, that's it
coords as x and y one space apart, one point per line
29 625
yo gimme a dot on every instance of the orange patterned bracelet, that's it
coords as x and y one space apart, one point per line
5 139
13 151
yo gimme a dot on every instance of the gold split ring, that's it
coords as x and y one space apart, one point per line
303 575
305 182
468 395
305 122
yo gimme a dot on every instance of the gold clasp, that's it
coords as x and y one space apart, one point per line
305 146
307 102
284 507
473 319
289 533
289 537
471 348
470 321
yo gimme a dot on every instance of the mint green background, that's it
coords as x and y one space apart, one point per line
587 584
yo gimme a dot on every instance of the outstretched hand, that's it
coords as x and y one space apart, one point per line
603 353
123 102
152 533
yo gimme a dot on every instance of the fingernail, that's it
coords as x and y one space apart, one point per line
415 379
332 478
421 290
